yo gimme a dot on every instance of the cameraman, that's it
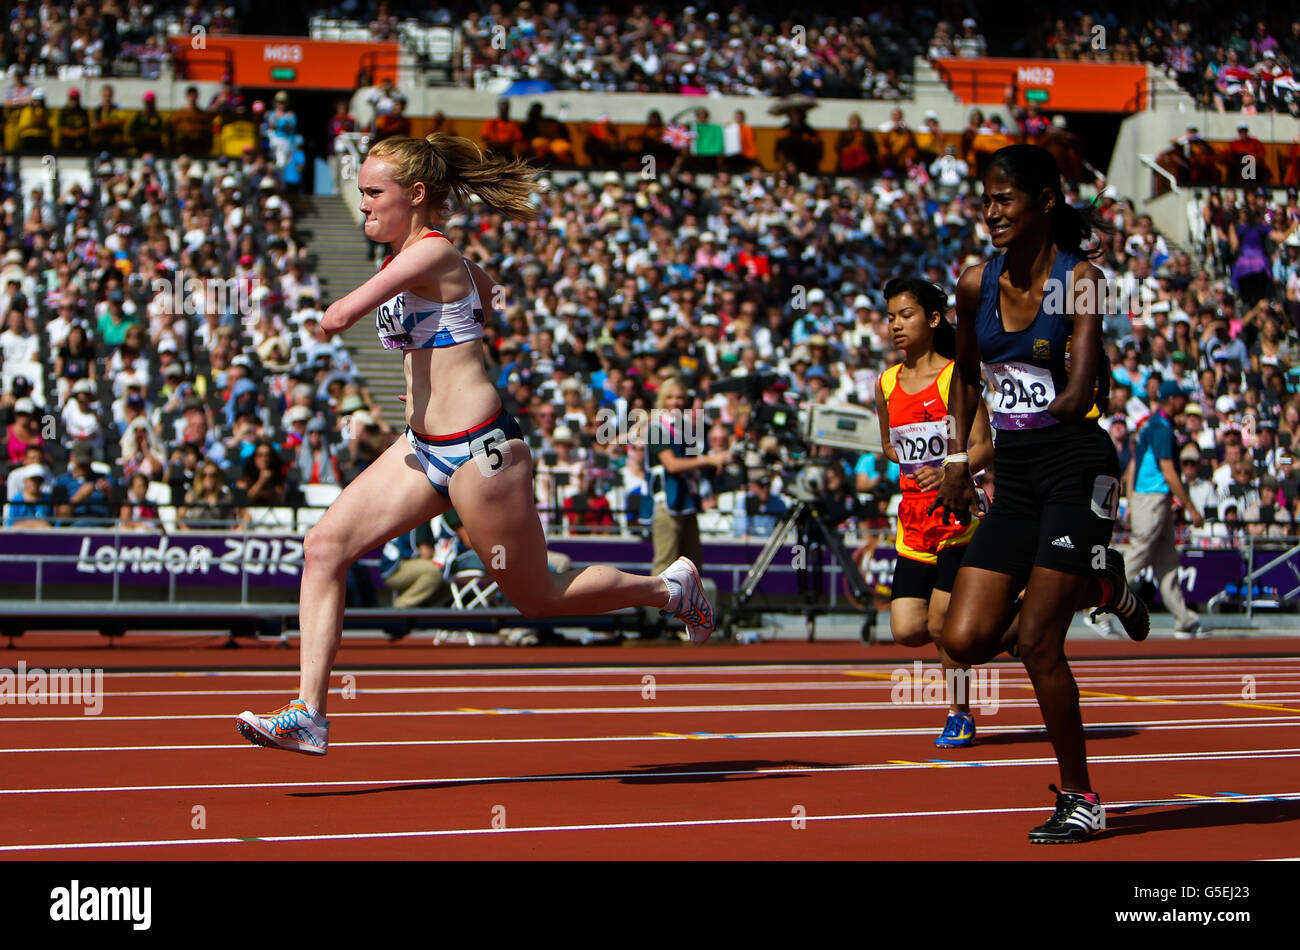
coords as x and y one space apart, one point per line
762 510
674 479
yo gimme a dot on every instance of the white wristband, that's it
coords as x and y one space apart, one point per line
956 457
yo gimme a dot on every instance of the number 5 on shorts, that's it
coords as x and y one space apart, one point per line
1105 497
492 452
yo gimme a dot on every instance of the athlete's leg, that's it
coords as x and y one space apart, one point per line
391 496
1051 598
958 702
908 621
978 614
504 528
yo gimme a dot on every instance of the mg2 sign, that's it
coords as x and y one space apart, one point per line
282 53
1035 76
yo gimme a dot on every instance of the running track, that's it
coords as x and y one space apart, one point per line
778 750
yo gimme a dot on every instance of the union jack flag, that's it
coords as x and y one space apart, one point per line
678 136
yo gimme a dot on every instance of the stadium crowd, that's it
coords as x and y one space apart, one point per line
126 400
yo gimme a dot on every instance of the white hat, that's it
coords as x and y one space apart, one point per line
297 414
83 386
571 383
242 360
167 346
228 182
1058 121
711 320
969 21
931 114
562 434
273 203
860 301
33 471
709 237
25 405
363 417
816 295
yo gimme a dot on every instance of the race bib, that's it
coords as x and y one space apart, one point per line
491 451
388 321
918 444
1105 497
1019 394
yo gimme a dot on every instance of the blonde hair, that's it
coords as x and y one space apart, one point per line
668 385
453 166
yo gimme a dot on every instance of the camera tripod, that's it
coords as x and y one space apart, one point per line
816 533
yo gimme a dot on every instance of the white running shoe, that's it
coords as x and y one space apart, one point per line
293 727
694 609
1101 626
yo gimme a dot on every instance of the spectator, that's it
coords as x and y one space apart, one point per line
192 126
503 134
208 503
31 508
35 125
762 509
675 471
547 137
142 451
89 493
24 431
855 149
149 128
407 568
316 463
263 478
107 124
138 513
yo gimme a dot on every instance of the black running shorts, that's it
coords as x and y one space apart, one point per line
1054 503
918 579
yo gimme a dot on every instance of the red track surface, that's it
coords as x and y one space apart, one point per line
578 755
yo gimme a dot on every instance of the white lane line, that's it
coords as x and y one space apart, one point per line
635 685
1222 665
1158 725
1209 699
892 766
618 826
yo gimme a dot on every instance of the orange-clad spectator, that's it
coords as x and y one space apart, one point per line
855 149
547 136
1292 174
602 144
990 137
1235 157
929 138
898 149
392 123
502 134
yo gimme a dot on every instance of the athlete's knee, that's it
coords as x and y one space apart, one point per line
909 634
535 599
967 645
323 547
1041 651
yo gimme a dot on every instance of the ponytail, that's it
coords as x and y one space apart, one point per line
451 166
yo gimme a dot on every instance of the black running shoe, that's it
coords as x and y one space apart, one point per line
1075 819
1124 604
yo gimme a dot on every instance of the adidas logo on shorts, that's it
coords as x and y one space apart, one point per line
1063 542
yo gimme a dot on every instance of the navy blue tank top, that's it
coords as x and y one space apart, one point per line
1025 370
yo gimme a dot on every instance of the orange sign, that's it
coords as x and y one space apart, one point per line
1052 84
289 61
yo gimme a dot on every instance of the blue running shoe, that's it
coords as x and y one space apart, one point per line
958 732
